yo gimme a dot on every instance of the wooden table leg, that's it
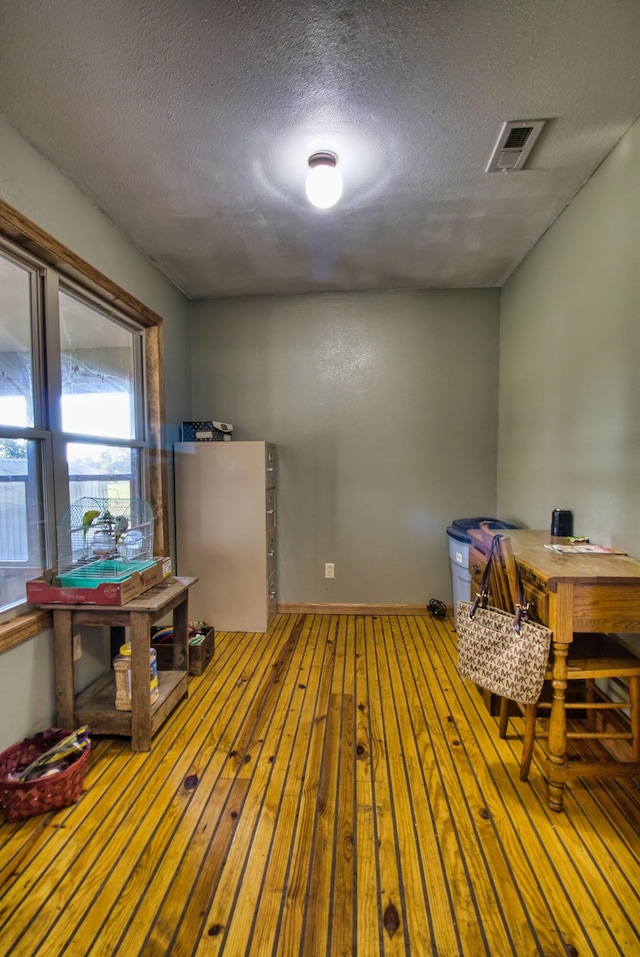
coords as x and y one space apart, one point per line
140 682
63 669
557 765
181 636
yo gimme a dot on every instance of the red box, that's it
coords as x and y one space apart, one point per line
46 589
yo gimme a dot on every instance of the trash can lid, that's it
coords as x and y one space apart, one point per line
459 528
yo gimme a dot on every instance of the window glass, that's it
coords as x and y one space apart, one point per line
102 471
71 413
97 360
22 548
16 384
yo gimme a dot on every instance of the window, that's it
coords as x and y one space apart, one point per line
72 411
22 540
101 383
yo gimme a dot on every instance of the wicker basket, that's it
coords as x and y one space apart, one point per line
21 799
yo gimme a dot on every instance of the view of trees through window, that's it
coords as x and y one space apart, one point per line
90 416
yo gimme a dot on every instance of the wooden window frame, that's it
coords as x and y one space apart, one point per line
35 240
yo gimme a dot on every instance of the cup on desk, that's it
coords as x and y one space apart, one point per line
561 523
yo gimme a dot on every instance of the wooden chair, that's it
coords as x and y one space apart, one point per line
595 657
591 657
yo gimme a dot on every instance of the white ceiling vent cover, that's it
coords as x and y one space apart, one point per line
516 140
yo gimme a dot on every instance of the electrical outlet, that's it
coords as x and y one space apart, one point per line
329 570
77 647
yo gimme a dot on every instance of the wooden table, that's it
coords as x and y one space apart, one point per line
95 706
572 593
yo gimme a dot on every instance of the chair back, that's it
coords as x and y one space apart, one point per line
503 587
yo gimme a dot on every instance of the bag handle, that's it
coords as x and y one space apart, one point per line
521 609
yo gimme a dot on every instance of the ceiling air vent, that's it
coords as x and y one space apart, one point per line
515 142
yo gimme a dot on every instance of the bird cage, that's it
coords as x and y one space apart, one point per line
104 540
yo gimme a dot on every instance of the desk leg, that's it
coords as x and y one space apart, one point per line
181 636
557 765
63 669
140 690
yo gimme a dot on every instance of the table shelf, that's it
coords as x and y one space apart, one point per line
95 706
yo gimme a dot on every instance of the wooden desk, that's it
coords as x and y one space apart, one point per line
95 706
570 593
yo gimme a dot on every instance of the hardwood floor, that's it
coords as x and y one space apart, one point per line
330 788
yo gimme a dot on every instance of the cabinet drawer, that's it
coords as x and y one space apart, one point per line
270 466
272 595
477 562
538 602
476 581
271 552
537 598
270 509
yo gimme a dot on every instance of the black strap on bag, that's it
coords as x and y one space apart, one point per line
521 610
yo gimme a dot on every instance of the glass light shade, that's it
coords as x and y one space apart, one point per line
323 186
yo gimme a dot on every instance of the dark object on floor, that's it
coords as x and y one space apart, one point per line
437 608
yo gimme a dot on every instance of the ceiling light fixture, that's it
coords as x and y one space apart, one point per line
324 182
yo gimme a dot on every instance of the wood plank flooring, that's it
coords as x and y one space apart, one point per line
330 788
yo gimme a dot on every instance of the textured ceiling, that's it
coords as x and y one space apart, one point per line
189 123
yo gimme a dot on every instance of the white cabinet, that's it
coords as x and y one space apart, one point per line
226 531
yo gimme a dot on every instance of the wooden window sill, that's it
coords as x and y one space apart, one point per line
25 626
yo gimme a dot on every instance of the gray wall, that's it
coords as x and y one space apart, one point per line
34 187
569 432
383 407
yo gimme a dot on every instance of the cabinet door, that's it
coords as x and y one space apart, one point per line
222 502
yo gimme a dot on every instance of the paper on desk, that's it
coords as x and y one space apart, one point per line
584 549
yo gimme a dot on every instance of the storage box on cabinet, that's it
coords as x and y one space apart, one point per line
199 655
226 517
